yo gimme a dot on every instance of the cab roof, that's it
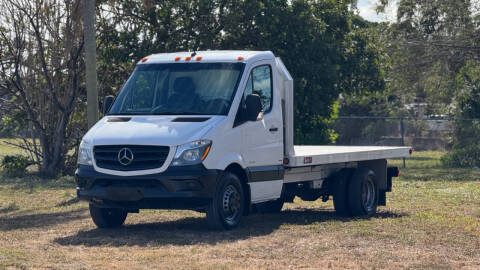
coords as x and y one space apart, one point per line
208 56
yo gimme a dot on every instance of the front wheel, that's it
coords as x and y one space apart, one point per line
226 208
107 217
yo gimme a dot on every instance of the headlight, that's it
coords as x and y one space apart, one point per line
191 153
84 154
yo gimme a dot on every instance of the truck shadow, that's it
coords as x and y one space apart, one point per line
29 221
192 231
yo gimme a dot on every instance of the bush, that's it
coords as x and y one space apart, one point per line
15 166
467 157
466 148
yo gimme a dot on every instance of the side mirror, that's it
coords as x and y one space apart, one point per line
253 107
107 103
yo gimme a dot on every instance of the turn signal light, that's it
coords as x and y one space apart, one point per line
206 152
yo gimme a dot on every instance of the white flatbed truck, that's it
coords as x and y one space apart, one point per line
212 131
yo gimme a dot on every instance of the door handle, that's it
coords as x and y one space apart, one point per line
273 129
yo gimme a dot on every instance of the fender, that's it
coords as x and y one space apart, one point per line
224 161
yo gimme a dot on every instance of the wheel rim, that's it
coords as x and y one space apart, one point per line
231 204
368 195
109 212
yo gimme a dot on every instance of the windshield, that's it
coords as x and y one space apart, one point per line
179 89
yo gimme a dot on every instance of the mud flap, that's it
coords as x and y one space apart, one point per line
382 197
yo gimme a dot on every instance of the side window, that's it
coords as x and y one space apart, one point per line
241 109
143 95
248 88
262 85
259 82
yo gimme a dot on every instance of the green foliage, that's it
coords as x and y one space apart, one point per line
13 123
428 45
466 144
468 81
431 53
15 165
467 157
326 47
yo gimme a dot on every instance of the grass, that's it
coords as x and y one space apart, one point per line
7 149
431 221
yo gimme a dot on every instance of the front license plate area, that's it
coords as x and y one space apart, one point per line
124 194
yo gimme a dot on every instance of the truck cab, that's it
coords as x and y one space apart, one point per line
210 131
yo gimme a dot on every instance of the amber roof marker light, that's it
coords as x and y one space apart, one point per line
198 58
188 58
144 59
240 58
177 58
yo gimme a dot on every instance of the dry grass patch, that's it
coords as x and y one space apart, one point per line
431 222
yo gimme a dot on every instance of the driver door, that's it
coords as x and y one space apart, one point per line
262 139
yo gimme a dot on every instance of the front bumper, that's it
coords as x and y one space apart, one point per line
186 187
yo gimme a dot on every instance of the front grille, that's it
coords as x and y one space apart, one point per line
145 157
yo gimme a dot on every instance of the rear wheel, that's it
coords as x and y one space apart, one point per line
226 208
107 217
362 193
340 196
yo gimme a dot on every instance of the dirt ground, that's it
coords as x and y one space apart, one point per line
431 221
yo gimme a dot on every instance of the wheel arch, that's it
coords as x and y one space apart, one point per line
379 167
236 169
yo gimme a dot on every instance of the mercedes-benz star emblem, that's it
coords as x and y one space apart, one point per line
125 156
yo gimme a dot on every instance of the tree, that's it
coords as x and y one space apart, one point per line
327 48
323 43
41 67
434 57
466 146
430 43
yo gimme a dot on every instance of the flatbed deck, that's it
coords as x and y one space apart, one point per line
308 155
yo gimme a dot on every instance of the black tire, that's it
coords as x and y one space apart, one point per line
340 196
107 217
362 193
271 206
227 207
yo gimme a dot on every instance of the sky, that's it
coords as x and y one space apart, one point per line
366 9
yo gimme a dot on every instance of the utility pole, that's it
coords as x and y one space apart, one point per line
90 60
402 131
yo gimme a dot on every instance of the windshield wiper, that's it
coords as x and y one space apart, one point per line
129 113
179 113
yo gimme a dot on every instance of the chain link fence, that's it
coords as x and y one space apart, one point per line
420 133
